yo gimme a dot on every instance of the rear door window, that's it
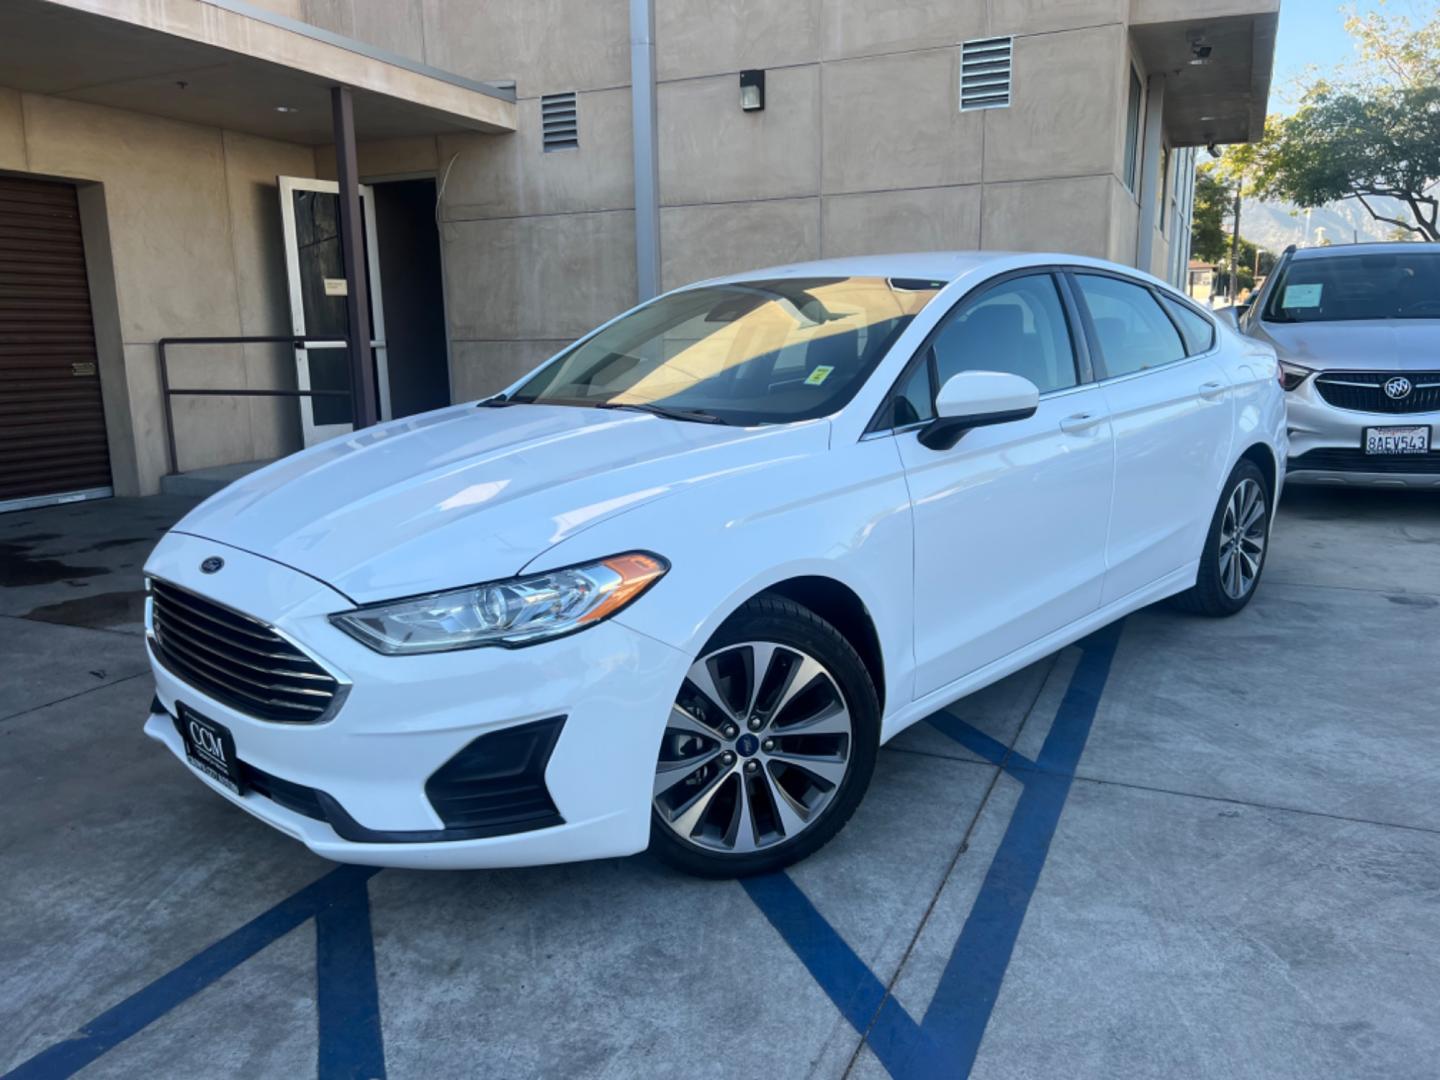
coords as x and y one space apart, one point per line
1133 332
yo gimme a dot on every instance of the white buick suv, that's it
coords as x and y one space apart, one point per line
674 588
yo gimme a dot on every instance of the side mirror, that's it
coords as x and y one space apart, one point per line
1230 316
974 399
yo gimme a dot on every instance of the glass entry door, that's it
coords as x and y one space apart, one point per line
315 267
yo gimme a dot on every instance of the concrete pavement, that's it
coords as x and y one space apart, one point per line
1200 848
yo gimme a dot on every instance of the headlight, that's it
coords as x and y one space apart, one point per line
1292 375
515 612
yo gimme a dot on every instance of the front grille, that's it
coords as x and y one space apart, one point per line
1364 391
237 659
1344 459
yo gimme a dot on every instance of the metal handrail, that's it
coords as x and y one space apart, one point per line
168 391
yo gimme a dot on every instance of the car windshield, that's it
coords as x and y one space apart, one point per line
751 352
1382 285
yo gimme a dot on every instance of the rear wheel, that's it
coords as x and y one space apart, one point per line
769 746
1235 548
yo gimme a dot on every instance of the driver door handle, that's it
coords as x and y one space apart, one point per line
1080 423
1211 391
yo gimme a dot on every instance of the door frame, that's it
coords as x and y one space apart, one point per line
313 433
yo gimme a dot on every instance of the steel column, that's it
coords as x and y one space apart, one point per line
352 244
647 154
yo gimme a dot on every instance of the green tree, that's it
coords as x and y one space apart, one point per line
1374 135
1209 242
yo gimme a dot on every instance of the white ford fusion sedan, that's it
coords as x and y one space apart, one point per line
675 587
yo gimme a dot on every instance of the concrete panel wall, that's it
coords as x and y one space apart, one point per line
706 37
1063 116
1070 215
924 219
512 175
1047 16
871 27
698 242
895 122
712 151
194 249
545 46
900 167
1124 222
546 277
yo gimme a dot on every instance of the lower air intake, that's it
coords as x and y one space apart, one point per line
496 784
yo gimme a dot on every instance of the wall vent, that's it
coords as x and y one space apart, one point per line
558 122
985 73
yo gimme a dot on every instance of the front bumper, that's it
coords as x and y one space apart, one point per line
1327 445
405 717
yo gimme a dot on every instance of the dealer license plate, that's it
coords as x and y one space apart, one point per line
210 748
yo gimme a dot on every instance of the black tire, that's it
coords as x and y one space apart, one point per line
1209 595
787 624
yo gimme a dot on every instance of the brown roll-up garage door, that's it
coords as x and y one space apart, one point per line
52 425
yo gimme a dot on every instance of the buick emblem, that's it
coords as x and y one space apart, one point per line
210 565
1398 388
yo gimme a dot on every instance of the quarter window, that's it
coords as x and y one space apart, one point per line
1197 330
1018 327
1133 333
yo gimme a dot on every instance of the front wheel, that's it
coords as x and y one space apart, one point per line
769 746
1235 548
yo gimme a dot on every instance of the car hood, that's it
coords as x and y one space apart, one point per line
1362 345
471 494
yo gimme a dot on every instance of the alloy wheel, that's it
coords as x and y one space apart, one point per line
1242 539
757 744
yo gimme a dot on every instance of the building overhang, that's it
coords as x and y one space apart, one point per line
1217 57
230 64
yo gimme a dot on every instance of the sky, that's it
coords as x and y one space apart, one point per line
1312 33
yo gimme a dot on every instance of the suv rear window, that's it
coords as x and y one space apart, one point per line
1337 288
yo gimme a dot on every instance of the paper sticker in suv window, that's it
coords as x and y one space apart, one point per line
1301 296
819 375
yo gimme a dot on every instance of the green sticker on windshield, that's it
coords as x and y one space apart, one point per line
819 375
1301 296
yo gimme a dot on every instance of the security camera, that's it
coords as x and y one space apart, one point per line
1213 150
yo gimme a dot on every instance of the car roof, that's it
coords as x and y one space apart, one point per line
934 265
1378 247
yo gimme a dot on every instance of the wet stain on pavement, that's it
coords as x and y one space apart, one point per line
98 611
1413 601
19 567
122 541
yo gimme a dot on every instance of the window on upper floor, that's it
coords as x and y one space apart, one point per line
1132 132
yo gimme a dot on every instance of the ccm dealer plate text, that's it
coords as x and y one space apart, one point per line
210 748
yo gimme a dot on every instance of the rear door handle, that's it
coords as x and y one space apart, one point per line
1080 422
1210 391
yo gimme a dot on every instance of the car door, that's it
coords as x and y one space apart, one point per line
1171 410
1010 522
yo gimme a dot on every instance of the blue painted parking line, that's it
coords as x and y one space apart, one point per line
346 994
946 1042
943 1044
336 901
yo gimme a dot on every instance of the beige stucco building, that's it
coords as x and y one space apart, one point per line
142 142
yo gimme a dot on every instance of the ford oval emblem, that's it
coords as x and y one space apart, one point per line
210 565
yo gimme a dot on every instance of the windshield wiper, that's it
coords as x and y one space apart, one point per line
693 415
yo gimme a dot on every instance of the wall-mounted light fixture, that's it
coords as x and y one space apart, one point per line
752 89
